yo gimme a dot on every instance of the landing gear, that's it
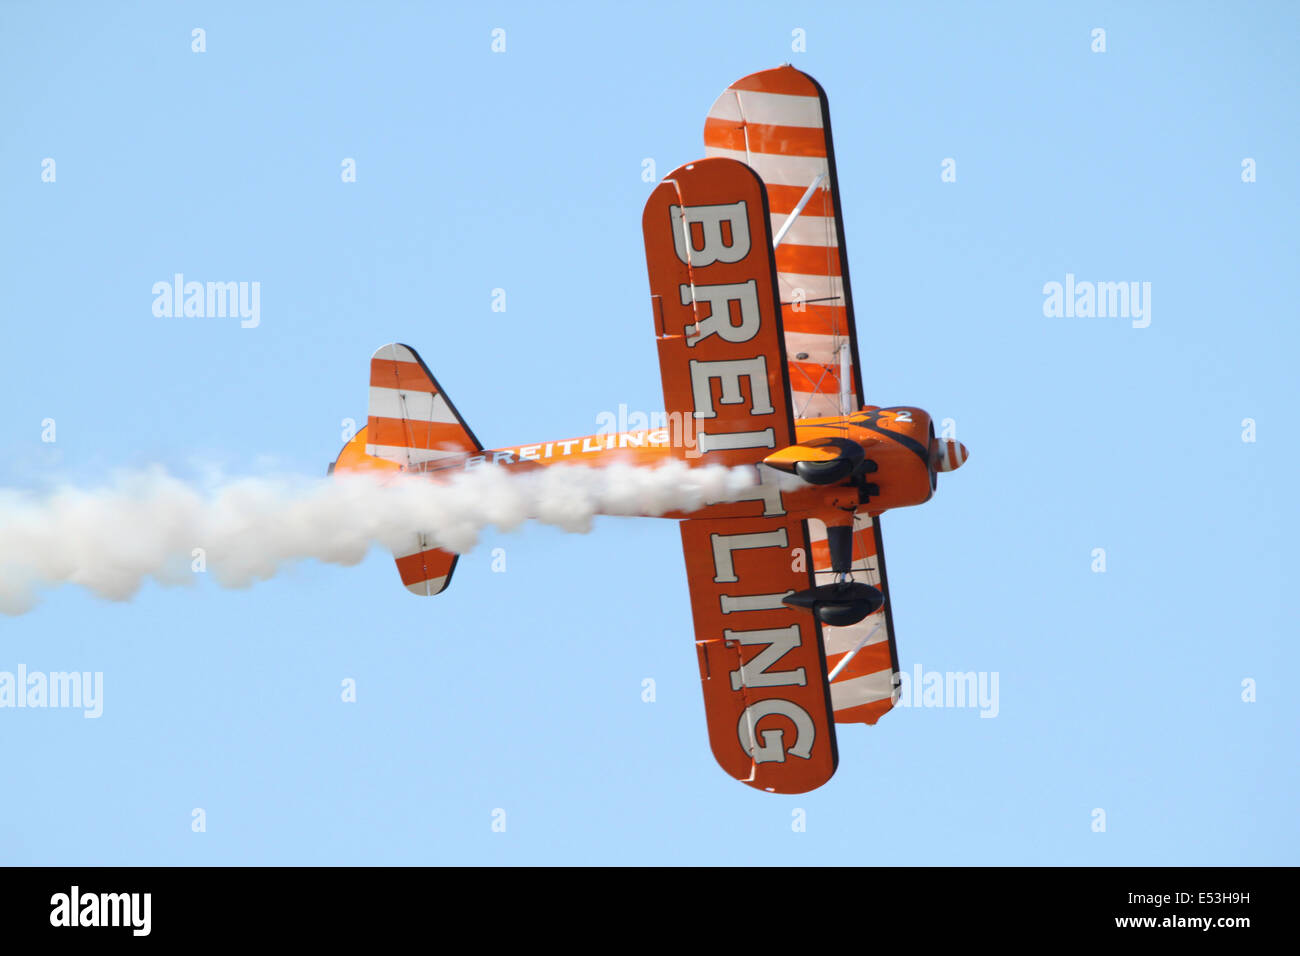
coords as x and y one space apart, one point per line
839 604
845 601
836 469
851 465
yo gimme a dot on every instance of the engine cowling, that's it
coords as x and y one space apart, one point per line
891 456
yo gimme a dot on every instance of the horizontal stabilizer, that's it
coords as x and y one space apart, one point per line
425 570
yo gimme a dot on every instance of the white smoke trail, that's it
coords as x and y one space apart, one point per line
148 525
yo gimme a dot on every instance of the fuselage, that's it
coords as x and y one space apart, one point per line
898 440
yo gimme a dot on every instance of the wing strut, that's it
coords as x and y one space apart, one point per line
808 194
846 374
850 655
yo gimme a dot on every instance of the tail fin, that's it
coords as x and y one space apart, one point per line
413 424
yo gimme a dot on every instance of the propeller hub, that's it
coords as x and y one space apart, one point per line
948 454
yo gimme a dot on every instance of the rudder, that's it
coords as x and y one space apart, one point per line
411 420
413 424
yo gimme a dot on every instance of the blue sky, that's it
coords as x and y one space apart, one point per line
521 170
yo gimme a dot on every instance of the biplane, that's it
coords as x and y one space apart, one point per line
758 351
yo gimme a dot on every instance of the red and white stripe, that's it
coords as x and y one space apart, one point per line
860 657
774 121
411 423
952 455
424 570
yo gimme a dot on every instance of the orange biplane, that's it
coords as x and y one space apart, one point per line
749 287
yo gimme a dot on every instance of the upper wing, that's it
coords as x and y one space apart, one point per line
778 122
761 661
862 660
712 283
